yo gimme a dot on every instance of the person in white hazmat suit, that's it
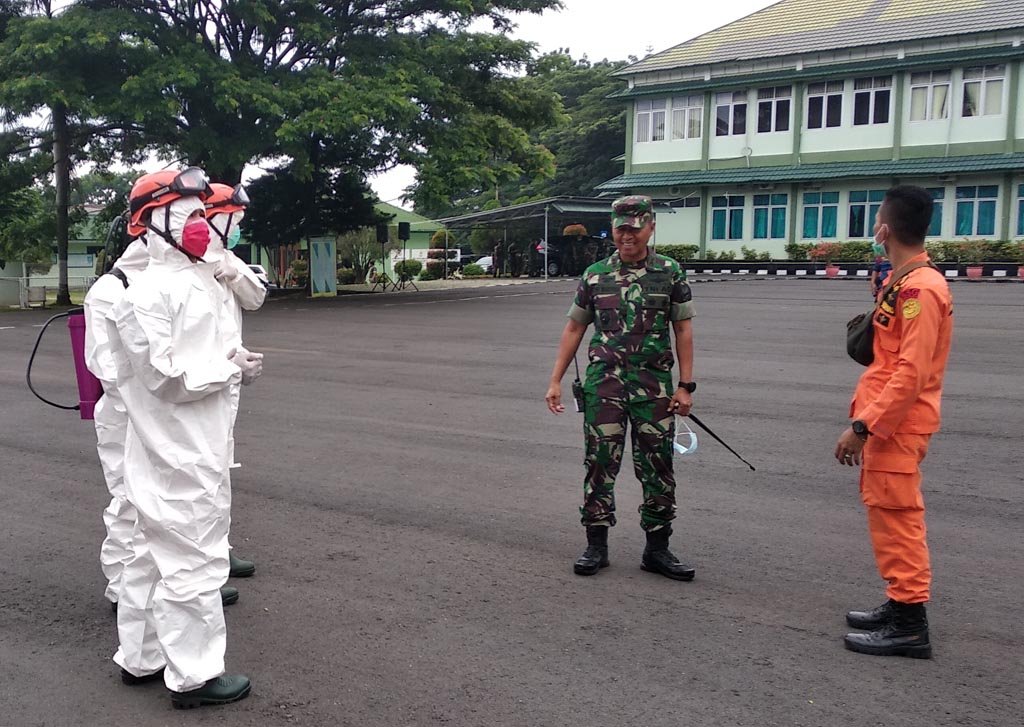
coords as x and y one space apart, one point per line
175 375
240 288
111 419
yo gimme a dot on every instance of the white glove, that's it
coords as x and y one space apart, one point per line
250 363
226 272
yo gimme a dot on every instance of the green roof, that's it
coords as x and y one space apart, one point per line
817 172
800 27
821 73
417 222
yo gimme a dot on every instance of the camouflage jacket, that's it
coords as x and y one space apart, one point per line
631 307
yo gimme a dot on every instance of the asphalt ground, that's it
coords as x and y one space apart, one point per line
412 508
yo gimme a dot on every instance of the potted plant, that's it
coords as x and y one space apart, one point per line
1018 257
826 251
971 252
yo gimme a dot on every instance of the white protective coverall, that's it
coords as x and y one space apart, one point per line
110 417
175 377
240 288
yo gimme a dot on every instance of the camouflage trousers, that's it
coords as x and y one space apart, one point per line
652 428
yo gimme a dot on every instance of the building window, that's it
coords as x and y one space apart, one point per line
821 210
687 117
938 196
1020 211
824 105
650 120
976 210
863 208
871 100
929 95
773 108
731 113
983 90
770 216
727 217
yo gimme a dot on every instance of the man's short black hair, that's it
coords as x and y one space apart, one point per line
908 212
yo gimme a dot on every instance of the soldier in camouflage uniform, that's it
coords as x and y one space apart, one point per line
634 299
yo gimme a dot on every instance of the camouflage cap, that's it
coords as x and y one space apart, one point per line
636 210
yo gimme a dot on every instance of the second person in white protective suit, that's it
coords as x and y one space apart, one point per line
175 376
240 288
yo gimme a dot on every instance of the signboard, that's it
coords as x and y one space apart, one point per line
323 273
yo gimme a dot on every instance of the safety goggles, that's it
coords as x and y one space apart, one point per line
188 183
239 198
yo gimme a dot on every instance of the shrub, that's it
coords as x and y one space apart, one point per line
748 253
765 256
346 276
797 250
439 253
679 253
710 255
407 269
727 255
430 273
578 230
472 270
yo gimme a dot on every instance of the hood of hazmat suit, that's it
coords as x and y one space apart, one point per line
175 378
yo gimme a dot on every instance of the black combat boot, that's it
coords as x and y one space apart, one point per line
659 559
595 557
871 620
905 633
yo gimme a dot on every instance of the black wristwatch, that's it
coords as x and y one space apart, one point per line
860 428
688 386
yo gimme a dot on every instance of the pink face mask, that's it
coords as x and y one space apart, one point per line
195 238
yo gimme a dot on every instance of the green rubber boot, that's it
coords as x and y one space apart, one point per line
240 568
222 690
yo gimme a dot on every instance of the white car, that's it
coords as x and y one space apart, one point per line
261 273
486 263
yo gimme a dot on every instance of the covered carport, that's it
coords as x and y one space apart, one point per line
545 215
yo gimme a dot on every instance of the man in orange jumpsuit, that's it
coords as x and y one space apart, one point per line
895 410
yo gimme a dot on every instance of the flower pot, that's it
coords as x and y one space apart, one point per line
1020 271
974 271
831 271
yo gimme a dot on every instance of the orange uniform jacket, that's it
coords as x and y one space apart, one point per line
913 327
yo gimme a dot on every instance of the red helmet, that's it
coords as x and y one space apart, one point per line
226 199
161 188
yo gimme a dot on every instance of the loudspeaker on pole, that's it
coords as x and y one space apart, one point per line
382 233
403 230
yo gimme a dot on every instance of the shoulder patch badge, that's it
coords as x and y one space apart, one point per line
911 308
910 293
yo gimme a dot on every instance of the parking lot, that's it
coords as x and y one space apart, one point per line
412 509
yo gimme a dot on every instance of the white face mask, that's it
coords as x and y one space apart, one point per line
689 437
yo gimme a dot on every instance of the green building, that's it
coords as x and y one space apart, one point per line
790 124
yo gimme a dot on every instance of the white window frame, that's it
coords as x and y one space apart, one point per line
826 91
687 112
773 97
928 84
873 86
650 117
730 100
985 77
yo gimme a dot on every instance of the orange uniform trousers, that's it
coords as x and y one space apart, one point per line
890 488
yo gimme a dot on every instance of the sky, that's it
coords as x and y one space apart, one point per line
612 29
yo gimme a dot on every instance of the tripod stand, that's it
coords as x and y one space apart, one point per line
404 280
383 280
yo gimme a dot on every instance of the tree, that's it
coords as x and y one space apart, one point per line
584 139
382 81
65 64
